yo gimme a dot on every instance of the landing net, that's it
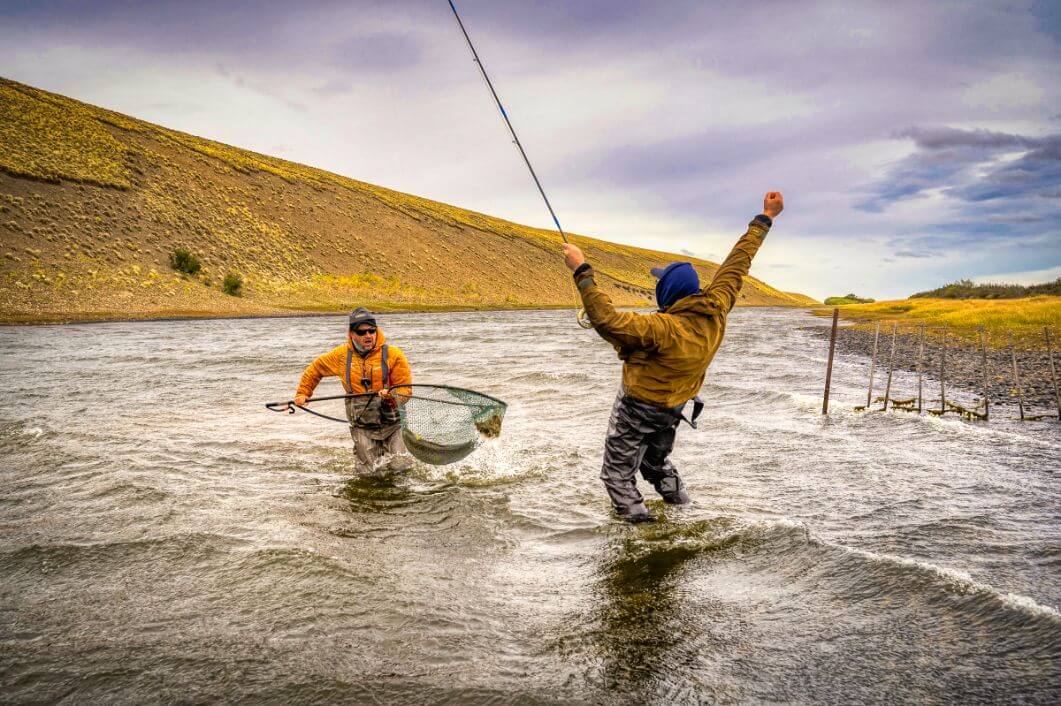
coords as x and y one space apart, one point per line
442 425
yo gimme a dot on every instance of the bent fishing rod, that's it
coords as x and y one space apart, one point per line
583 319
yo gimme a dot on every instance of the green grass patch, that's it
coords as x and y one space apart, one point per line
183 261
232 284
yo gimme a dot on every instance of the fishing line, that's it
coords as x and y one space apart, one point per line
583 319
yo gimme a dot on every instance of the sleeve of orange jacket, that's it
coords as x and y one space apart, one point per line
328 364
726 284
622 328
400 374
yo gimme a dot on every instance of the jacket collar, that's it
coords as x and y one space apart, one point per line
693 304
380 341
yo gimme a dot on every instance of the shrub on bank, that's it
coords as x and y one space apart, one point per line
848 299
182 260
233 284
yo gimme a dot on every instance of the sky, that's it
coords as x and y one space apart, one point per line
916 143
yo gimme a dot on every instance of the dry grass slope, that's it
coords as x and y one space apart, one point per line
92 203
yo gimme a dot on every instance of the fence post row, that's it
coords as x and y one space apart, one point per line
984 372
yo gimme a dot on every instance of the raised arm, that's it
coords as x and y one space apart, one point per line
727 282
625 329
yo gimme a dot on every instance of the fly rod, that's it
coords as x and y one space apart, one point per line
583 320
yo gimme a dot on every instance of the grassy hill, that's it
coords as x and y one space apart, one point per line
93 203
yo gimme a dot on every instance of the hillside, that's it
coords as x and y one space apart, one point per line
92 204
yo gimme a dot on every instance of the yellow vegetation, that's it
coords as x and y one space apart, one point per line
963 317
42 141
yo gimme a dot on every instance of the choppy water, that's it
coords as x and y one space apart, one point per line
163 537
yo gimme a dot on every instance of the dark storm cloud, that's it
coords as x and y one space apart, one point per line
966 165
942 137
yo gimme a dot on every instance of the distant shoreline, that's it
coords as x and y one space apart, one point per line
108 318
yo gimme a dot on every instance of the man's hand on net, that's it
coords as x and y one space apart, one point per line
300 400
573 256
773 204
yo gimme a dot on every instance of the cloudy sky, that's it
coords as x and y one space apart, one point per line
916 142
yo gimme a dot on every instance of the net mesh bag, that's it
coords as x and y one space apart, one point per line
442 425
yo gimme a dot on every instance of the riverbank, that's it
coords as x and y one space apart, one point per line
964 366
104 317
963 318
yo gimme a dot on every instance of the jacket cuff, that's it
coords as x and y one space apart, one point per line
584 276
760 225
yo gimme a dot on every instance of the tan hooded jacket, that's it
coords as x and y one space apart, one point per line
665 354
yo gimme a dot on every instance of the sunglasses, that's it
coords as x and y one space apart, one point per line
364 331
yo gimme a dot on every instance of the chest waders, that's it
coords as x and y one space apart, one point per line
373 413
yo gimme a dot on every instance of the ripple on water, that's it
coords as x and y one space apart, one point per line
167 537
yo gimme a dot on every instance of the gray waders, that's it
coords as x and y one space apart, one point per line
640 438
375 428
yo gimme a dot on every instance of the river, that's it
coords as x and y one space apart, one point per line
165 538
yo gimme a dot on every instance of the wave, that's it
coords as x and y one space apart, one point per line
116 556
789 547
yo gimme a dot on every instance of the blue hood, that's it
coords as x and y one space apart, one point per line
676 281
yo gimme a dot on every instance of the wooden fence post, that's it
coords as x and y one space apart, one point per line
943 373
829 366
1053 373
872 368
1016 375
983 369
891 368
920 369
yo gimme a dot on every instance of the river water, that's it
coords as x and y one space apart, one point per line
163 537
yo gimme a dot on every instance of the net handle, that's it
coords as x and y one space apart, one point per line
289 406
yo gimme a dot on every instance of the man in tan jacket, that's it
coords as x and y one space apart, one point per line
366 363
665 356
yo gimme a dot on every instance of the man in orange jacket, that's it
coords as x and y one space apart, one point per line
665 356
366 363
